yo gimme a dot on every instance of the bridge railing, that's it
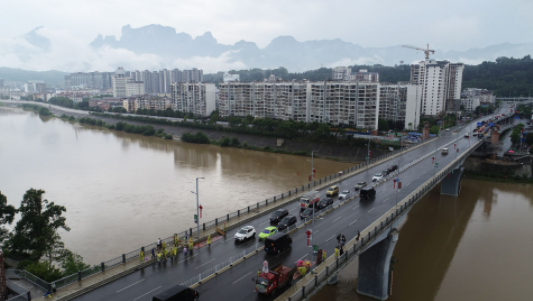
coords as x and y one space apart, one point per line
191 232
373 231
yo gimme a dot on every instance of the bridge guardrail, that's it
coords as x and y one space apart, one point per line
358 246
207 225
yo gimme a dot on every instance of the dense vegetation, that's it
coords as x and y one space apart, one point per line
41 110
506 76
146 130
35 239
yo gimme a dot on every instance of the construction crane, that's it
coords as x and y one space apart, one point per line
426 51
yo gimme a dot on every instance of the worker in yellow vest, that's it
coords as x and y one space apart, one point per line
336 252
209 240
141 255
323 255
191 244
175 251
164 245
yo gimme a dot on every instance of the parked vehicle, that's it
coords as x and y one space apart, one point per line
287 221
245 233
278 215
269 231
177 293
367 194
444 151
378 177
385 172
306 213
278 243
333 191
308 199
360 185
345 194
324 203
269 283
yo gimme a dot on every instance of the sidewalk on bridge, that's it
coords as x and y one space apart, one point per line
113 273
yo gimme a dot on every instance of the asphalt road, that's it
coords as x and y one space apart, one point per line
236 283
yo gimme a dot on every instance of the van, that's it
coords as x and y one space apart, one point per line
278 243
177 293
444 151
367 194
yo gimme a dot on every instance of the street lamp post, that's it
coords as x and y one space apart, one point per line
197 208
312 186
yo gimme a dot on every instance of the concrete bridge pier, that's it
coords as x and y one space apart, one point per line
451 184
374 268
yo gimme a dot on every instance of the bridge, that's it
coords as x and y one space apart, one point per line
223 270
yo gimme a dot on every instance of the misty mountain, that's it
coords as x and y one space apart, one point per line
286 51
52 78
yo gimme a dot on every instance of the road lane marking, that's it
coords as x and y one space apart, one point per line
352 222
147 293
330 238
316 231
355 207
204 264
385 200
337 218
241 278
187 258
293 209
370 210
120 290
264 222
303 257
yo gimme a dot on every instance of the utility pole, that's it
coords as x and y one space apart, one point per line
313 222
197 208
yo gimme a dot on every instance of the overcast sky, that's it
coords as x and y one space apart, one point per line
445 25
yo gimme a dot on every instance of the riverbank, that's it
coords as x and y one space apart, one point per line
499 178
335 152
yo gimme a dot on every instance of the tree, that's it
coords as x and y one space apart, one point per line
410 125
434 130
234 121
235 142
7 214
462 107
383 125
515 137
35 233
72 263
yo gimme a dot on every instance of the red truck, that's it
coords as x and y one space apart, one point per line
307 200
268 283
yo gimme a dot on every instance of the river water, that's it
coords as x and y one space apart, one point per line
123 191
473 247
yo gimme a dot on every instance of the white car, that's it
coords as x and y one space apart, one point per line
245 233
467 135
345 194
378 177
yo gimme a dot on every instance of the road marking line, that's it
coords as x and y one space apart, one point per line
265 222
293 209
355 207
385 200
352 222
316 231
330 238
370 210
204 264
303 257
120 290
241 278
187 258
147 293
337 218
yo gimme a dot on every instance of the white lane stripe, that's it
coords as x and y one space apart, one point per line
385 200
293 209
337 218
204 264
264 222
120 290
147 293
187 258
355 207
330 238
370 210
303 257
241 278
352 222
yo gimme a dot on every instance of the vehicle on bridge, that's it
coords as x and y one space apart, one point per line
269 231
467 135
324 203
333 190
392 168
287 221
308 199
245 233
177 293
444 150
306 213
269 282
367 194
345 194
278 243
360 185
377 177
278 215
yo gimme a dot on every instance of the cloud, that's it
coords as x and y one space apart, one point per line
69 53
375 59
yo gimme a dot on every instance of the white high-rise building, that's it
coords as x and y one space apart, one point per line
197 98
119 81
134 88
440 81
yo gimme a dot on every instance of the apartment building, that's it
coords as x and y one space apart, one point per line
119 81
195 97
400 102
440 81
471 98
134 88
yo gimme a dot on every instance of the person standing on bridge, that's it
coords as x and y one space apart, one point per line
185 235
184 250
159 244
175 251
323 255
164 245
209 240
358 235
153 253
191 244
141 255
165 254
176 240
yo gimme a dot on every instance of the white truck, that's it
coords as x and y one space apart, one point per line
308 199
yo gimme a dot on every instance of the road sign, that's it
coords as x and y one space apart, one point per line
195 218
437 165
315 249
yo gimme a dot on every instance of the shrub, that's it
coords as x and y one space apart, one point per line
245 144
225 142
168 137
235 142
